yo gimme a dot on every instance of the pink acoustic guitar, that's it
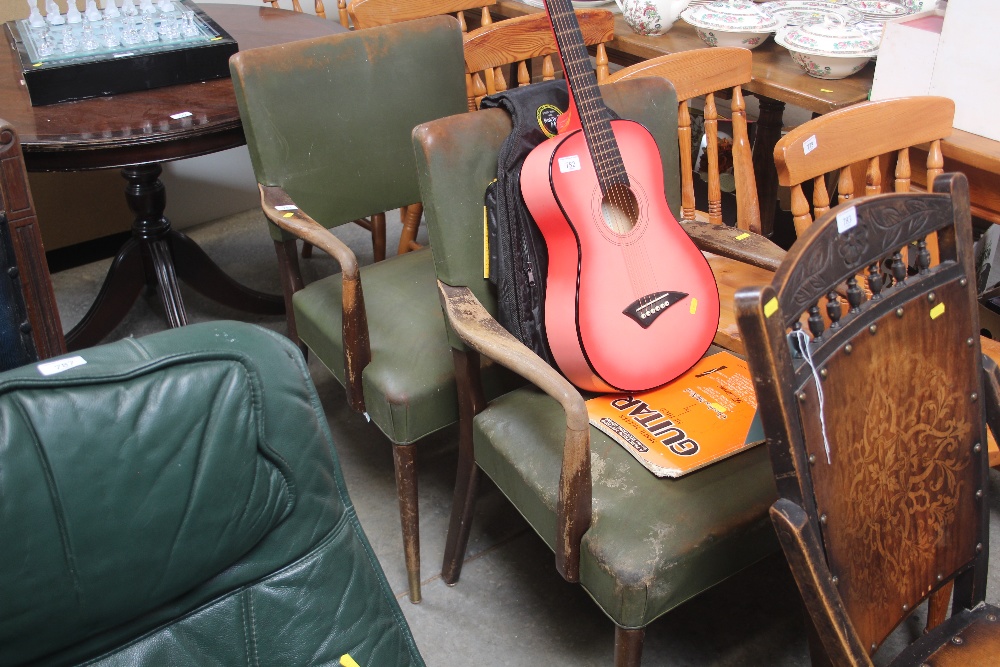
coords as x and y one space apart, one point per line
630 302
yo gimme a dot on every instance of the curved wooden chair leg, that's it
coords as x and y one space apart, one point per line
405 461
628 646
411 223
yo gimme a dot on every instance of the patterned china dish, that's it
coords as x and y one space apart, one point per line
731 23
797 12
828 50
881 10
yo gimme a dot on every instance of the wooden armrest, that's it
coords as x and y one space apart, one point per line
721 240
357 348
477 329
806 559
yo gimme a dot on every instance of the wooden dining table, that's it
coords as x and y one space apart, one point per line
136 132
777 82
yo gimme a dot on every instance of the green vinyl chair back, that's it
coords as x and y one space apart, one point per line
177 500
639 545
336 135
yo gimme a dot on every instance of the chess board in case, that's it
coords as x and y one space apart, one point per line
189 47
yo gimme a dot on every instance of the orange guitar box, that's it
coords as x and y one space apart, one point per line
705 415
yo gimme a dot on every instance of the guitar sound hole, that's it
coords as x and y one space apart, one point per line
620 209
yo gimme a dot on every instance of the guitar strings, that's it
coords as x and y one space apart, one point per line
602 138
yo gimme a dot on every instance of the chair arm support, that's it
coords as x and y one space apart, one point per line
751 248
807 561
477 328
357 348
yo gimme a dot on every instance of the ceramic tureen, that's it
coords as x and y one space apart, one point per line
831 49
730 23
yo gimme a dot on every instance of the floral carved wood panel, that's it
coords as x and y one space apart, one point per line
897 499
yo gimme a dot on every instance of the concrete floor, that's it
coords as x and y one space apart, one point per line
510 607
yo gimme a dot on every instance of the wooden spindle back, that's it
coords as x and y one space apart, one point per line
491 49
319 8
702 73
862 133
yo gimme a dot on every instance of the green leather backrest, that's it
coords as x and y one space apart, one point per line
161 476
457 159
329 119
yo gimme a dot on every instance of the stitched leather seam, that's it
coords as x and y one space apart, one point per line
253 628
57 507
246 628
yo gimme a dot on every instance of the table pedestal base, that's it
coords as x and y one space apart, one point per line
157 256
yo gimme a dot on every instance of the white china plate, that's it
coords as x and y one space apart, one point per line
797 12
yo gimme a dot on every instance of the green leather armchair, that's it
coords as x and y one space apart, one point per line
176 500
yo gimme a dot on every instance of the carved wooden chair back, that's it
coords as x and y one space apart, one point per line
880 478
30 328
703 73
861 133
489 50
371 13
319 8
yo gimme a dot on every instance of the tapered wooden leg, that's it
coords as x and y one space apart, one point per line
291 282
628 646
405 460
411 223
768 132
463 504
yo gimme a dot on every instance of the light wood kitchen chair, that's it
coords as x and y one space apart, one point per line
881 475
703 73
371 13
834 142
319 8
490 49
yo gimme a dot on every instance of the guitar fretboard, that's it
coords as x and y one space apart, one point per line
582 81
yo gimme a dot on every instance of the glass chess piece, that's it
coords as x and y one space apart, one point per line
87 40
69 42
92 13
146 7
111 10
73 14
148 32
52 14
47 44
166 6
110 38
35 19
168 28
130 35
128 8
188 27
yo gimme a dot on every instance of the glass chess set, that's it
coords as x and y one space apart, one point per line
117 48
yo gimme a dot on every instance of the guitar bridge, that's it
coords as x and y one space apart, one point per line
646 309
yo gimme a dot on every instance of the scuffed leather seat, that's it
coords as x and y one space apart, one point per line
176 500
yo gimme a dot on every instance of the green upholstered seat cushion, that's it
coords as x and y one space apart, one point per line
653 543
409 386
161 475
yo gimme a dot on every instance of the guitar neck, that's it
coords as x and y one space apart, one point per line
585 95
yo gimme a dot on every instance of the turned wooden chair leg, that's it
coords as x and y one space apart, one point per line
411 223
628 646
405 461
463 504
291 282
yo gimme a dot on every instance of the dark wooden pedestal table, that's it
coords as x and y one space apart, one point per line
137 132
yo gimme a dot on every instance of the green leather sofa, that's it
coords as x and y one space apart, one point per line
176 500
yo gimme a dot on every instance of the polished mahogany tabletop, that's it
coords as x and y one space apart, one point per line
137 128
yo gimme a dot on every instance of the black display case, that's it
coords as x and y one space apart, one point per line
54 73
